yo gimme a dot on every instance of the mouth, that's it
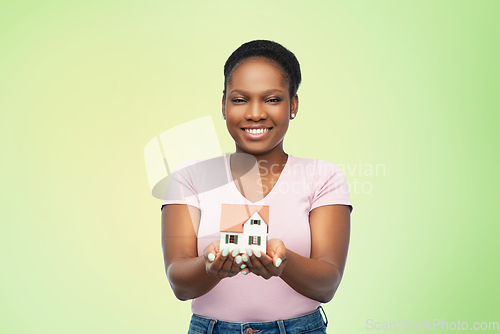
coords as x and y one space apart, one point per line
256 133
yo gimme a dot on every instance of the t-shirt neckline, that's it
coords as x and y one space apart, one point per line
270 192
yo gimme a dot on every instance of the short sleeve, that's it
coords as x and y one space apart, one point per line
329 186
181 187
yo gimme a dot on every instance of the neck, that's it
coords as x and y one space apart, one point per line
265 161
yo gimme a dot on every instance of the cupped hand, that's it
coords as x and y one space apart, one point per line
270 264
222 263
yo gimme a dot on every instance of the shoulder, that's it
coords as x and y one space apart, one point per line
328 182
322 175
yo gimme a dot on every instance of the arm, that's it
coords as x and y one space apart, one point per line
190 275
319 276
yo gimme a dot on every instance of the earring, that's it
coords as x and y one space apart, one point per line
292 115
223 117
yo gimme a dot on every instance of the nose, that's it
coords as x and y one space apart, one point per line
256 111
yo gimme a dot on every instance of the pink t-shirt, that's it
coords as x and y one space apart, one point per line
304 184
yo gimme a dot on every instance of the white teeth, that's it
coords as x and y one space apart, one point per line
256 131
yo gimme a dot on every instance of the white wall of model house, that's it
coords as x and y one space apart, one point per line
256 231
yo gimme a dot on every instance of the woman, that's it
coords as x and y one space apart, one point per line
235 290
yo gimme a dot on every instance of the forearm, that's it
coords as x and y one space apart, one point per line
189 279
313 278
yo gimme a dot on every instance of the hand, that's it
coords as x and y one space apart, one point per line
270 264
222 263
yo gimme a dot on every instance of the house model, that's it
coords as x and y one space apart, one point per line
244 226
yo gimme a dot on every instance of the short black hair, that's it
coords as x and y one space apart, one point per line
271 50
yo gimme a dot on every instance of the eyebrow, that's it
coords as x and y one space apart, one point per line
265 92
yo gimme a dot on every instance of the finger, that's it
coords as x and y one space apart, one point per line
280 256
216 245
249 251
256 266
221 258
243 265
255 255
218 262
211 257
244 258
264 259
228 268
248 258
237 260
212 248
267 262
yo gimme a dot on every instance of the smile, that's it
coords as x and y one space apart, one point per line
256 131
256 134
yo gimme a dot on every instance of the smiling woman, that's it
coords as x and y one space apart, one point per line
258 108
237 291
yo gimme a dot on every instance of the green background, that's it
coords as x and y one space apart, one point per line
411 86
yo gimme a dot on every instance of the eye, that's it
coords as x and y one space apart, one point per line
274 100
238 100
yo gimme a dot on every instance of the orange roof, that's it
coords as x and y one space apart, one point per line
233 216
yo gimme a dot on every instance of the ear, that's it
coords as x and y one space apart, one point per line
294 105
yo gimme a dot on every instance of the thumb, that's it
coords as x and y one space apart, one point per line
279 256
211 251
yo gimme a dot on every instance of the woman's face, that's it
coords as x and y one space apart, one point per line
257 107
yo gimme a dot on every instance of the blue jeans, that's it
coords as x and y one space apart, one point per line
310 323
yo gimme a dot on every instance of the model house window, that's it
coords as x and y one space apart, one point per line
254 221
254 240
231 239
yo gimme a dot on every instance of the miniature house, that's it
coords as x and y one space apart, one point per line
244 226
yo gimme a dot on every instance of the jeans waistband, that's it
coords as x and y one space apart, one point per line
304 323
